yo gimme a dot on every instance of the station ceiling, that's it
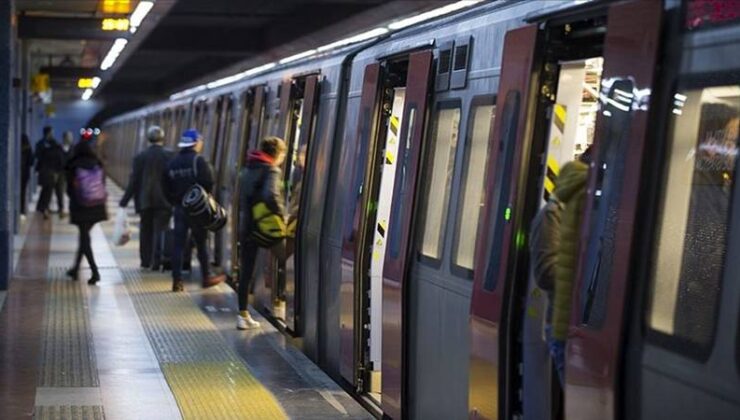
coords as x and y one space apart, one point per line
181 41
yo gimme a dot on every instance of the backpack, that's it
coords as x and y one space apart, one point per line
90 186
267 228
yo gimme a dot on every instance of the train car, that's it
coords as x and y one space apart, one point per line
416 164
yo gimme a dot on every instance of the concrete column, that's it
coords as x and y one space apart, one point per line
7 177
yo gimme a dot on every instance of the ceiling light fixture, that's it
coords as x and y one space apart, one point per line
298 56
432 14
354 39
142 9
187 92
259 69
87 94
113 53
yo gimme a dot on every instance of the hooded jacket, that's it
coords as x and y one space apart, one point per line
570 189
83 156
259 180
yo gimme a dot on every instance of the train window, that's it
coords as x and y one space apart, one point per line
397 207
442 165
472 193
691 238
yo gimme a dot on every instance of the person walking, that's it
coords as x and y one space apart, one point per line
150 202
49 166
27 159
87 202
259 180
61 184
186 170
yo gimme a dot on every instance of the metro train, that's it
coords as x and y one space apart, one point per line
416 163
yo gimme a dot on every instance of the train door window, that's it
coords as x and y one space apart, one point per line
472 193
692 231
446 128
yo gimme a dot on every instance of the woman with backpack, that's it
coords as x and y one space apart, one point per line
87 201
260 196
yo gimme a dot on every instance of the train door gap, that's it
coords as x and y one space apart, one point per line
569 84
383 177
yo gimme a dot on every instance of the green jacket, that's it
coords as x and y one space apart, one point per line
570 188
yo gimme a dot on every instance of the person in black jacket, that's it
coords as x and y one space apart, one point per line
61 183
26 165
261 178
82 214
49 166
187 169
145 187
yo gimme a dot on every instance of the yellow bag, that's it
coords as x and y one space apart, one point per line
268 228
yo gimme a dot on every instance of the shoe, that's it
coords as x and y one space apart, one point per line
177 286
94 279
246 322
213 280
72 273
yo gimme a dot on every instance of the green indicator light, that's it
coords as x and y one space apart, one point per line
507 214
520 239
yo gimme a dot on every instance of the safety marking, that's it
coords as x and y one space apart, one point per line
559 117
553 167
208 379
69 412
382 228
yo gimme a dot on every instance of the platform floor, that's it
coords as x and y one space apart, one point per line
128 348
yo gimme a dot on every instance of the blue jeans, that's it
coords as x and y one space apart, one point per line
557 353
180 246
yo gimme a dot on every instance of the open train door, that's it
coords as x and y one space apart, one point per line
367 120
400 231
514 102
593 355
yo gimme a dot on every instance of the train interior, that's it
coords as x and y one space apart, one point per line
382 183
564 130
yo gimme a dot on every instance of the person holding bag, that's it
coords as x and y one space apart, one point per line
87 202
261 215
185 171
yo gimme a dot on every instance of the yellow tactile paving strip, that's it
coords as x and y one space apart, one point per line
208 380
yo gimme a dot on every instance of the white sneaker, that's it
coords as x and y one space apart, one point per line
246 322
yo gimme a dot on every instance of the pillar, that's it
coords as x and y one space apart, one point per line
7 175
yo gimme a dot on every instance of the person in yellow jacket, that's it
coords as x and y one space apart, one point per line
570 190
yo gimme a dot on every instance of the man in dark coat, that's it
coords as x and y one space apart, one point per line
49 166
82 214
145 187
260 180
187 169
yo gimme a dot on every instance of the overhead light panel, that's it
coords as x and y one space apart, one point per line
225 81
355 39
432 14
140 13
95 82
115 24
113 53
187 92
298 56
259 69
87 94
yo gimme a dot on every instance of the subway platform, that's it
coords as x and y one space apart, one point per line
129 348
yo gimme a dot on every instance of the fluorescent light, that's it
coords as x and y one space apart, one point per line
113 54
87 94
354 39
225 81
95 82
260 69
140 13
432 14
298 56
187 92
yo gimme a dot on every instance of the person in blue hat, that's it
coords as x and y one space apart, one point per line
187 169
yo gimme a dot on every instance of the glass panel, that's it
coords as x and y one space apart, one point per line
474 186
399 195
446 129
692 229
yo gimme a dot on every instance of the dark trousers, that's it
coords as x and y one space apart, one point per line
151 242
25 176
200 237
247 260
59 188
85 248
45 198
